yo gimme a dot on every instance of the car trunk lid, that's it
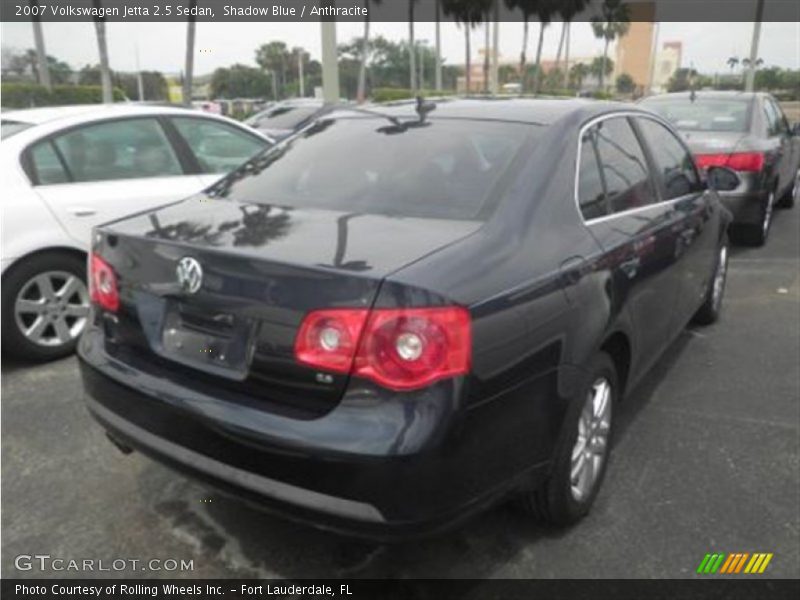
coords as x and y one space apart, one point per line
263 268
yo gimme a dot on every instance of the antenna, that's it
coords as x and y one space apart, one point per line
423 108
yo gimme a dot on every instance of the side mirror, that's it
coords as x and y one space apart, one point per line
722 179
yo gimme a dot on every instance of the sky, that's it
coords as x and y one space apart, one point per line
160 46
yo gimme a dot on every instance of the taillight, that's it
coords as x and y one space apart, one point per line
401 349
103 284
738 161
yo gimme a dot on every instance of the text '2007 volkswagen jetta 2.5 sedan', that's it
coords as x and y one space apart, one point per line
400 314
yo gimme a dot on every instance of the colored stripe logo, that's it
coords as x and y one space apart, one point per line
734 563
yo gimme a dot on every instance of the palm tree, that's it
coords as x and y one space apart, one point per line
188 73
545 11
732 62
528 10
758 63
102 48
362 70
614 23
568 9
577 74
469 13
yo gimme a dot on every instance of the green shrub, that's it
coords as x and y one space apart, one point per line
30 95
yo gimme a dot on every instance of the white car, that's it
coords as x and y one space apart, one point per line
65 170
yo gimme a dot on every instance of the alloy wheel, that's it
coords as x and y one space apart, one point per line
768 214
591 446
719 277
51 308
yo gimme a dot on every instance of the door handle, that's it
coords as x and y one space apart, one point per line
81 211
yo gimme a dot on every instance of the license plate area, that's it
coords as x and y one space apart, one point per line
209 340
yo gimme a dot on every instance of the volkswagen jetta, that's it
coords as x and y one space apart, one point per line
400 315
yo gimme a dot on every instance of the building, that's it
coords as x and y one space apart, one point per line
634 52
668 60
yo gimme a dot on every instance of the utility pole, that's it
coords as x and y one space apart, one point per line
330 65
438 83
139 82
751 70
43 70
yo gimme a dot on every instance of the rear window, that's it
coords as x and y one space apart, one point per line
9 128
441 169
704 114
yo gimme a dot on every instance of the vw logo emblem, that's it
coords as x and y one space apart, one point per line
190 274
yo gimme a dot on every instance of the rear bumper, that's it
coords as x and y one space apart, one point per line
375 467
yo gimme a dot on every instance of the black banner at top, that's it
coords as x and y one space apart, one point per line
387 10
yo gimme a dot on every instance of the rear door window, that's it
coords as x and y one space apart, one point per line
218 147
675 167
47 166
125 149
623 167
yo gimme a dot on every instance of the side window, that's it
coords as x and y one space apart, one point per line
623 166
218 147
674 163
46 164
126 149
771 118
591 191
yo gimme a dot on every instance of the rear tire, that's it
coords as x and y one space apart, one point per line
45 306
570 490
756 235
710 310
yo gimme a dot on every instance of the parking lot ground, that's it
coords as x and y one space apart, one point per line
706 460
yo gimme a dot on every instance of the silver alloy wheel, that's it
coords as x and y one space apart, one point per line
51 308
719 277
768 214
591 447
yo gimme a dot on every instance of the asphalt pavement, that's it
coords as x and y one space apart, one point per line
705 460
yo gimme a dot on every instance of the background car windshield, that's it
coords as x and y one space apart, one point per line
441 169
9 128
704 114
285 117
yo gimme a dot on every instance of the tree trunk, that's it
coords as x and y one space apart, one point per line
42 68
105 71
188 73
412 54
300 76
557 66
438 82
536 74
362 71
468 64
603 68
522 55
486 50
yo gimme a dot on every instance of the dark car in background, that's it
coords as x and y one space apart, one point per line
391 321
748 133
281 119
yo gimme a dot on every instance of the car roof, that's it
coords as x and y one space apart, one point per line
536 111
706 94
69 115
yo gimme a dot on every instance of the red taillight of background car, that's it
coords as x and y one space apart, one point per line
400 349
751 162
103 289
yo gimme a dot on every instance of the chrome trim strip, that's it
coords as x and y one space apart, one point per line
587 125
340 507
